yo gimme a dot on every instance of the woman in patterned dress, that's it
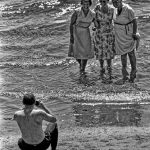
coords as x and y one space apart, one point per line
80 33
104 37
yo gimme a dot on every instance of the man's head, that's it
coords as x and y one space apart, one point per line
28 99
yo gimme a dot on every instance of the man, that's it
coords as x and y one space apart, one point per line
30 121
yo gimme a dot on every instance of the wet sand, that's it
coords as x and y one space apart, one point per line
100 138
99 127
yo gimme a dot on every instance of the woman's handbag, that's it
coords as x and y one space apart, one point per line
70 52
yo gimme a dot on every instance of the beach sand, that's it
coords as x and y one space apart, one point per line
124 135
97 138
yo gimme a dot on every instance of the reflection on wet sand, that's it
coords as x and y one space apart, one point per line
107 115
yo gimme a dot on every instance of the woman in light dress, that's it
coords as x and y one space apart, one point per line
80 37
126 37
104 37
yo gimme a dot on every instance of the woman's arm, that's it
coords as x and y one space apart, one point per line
73 21
95 22
134 29
132 18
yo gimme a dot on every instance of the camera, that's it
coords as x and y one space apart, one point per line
37 103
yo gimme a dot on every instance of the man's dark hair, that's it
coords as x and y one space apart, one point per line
28 99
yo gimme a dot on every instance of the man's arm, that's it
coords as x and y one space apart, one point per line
43 107
47 114
49 117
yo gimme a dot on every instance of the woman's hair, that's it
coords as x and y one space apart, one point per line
90 1
107 0
28 99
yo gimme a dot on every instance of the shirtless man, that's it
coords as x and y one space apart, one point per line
30 121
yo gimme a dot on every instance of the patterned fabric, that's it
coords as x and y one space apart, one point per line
104 34
82 47
124 43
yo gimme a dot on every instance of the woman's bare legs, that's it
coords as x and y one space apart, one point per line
102 69
109 68
83 65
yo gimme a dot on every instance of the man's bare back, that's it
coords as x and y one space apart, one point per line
31 125
30 121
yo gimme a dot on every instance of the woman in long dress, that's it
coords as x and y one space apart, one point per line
125 26
80 33
104 37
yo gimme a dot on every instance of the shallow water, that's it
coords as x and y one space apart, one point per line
34 37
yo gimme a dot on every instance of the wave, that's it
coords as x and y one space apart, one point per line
114 103
37 63
53 7
89 98
38 30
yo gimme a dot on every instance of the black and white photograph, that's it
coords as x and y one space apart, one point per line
74 74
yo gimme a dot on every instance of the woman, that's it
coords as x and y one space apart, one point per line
80 34
104 37
125 26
